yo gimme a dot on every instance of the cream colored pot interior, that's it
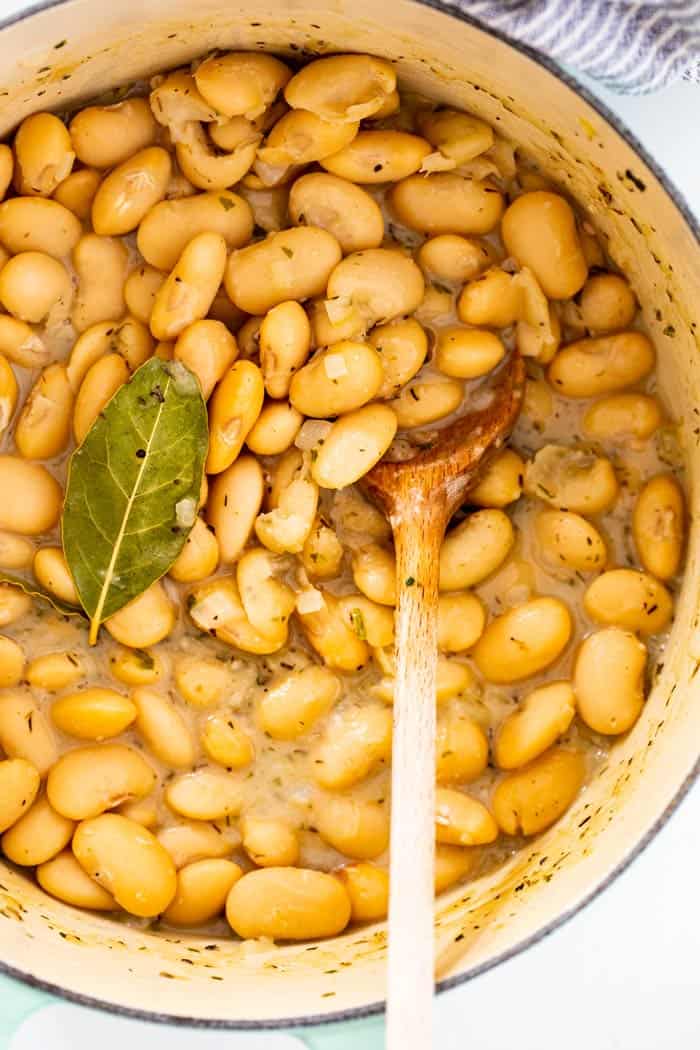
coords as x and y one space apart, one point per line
78 49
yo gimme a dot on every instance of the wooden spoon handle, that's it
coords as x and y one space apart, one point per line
419 526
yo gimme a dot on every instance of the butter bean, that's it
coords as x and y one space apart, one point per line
568 541
501 482
378 156
55 671
196 840
11 662
43 426
135 666
539 231
609 680
539 721
607 303
461 749
162 727
105 136
167 229
531 799
286 528
130 190
127 861
572 479
34 224
424 402
450 257
145 621
198 558
16 552
284 342
37 836
296 701
352 826
101 266
207 169
86 782
19 784
523 641
337 381
52 572
623 417
202 889
467 353
353 445
241 83
376 285
14 604
227 743
629 599
34 286
205 795
235 407
339 206
461 619
77 192
189 290
267 273
140 290
461 820
374 573
289 904
403 345
269 843
25 732
368 889
458 136
64 879
452 863
103 379
234 503
591 367
342 87
658 526
276 428
208 349
446 203
43 154
355 743
474 549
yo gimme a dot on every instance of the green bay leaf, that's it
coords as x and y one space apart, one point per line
133 488
32 588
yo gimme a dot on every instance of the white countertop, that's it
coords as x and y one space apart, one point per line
623 975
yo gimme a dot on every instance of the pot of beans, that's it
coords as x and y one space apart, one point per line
240 262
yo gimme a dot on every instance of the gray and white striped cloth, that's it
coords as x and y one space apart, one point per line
631 46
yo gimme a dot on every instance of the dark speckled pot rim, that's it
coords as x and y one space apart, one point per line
373 1009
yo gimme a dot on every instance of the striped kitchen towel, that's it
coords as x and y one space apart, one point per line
632 46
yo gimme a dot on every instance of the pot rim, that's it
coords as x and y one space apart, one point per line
373 1009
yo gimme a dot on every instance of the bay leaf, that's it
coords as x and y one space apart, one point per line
33 589
133 488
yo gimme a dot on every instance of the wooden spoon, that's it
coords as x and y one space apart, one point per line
419 496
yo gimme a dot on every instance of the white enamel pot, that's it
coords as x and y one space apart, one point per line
58 53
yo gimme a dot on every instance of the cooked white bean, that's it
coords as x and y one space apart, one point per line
290 904
241 83
37 496
52 572
25 732
342 87
77 192
378 156
572 479
163 728
33 224
64 879
376 285
127 861
534 797
207 794
267 273
37 836
357 828
658 526
19 784
101 266
623 417
86 782
284 342
474 549
501 482
355 742
338 206
591 367
568 541
446 203
166 230
202 889
461 820
609 680
461 748
467 353
338 380
233 410
33 285
542 717
524 640
353 445
105 136
189 290
145 621
42 429
235 499
450 257
130 190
